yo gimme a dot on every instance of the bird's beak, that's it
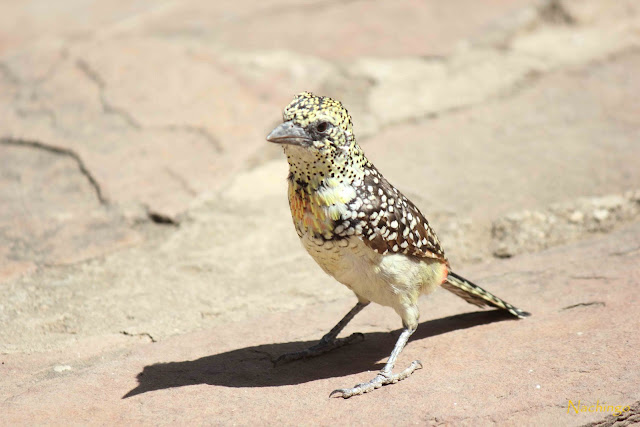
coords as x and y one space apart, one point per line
289 133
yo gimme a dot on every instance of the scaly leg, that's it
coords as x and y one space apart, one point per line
329 341
385 376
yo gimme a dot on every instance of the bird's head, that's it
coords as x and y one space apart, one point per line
318 124
317 137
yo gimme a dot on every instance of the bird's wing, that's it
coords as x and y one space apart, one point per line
395 224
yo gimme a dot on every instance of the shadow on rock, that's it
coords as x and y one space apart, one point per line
253 367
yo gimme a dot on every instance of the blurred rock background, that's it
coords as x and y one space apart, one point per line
140 201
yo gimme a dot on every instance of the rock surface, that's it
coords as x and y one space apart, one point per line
480 368
146 246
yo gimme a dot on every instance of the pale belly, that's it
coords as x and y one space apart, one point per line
393 280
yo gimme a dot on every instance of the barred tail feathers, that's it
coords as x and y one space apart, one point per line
474 294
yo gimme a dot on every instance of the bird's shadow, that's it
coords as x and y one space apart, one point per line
253 367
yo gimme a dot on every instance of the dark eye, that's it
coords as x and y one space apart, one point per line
322 126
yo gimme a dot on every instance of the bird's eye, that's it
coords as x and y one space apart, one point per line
322 126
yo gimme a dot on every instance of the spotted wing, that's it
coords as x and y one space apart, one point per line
394 224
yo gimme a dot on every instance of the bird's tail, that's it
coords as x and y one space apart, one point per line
474 294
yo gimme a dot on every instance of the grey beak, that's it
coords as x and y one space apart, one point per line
289 133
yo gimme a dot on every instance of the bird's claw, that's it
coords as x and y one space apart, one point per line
383 378
322 347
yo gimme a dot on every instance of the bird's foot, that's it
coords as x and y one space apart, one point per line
324 346
383 378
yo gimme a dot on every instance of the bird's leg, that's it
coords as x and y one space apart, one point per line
385 376
329 341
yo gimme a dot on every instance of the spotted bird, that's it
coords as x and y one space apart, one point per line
361 230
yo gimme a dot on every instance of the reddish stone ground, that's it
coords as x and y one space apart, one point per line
480 367
148 266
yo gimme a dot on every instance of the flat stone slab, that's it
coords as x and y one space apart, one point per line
51 214
520 122
333 30
480 367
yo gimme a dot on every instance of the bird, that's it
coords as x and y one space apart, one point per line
361 230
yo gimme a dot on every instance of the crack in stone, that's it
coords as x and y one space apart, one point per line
505 93
90 73
141 334
584 304
110 108
181 181
198 130
63 152
107 107
126 116
500 94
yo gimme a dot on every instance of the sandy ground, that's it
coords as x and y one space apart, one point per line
146 248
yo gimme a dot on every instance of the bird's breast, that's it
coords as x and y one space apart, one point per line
317 210
308 215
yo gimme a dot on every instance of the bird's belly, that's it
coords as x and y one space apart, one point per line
393 280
